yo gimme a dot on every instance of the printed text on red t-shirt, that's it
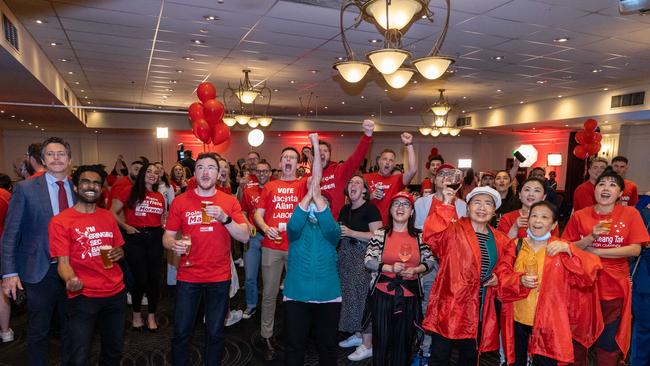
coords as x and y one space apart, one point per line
90 241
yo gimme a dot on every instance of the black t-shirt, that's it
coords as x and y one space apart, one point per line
359 218
510 203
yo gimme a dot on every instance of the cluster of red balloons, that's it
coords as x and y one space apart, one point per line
588 140
207 116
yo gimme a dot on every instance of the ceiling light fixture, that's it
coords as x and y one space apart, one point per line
497 58
441 106
399 78
393 18
245 95
40 21
561 39
188 58
210 18
54 44
596 71
541 81
198 41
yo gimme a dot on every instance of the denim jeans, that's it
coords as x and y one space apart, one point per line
108 314
43 299
252 268
188 297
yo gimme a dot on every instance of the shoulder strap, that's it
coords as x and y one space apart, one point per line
519 244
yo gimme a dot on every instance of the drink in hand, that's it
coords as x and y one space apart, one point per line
205 218
187 240
104 250
404 253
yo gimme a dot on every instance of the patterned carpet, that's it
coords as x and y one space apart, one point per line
243 343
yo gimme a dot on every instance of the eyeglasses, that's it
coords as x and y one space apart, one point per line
398 204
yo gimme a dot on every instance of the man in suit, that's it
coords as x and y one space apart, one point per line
26 260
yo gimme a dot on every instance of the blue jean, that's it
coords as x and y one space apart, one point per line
43 299
108 314
252 268
188 297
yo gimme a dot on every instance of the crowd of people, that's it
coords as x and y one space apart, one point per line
363 261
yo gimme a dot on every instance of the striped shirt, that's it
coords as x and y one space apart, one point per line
485 257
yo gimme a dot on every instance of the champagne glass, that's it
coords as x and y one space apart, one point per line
188 246
405 252
530 266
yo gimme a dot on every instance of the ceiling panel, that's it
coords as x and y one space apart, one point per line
536 13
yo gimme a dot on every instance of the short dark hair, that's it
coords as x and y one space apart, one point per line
388 150
323 142
610 173
55 140
366 196
537 168
410 224
292 149
436 157
254 152
549 205
534 179
265 163
209 155
95 168
597 159
5 182
620 158
34 151
142 161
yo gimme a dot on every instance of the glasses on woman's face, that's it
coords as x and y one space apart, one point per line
398 204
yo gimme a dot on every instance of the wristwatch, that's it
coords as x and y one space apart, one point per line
228 221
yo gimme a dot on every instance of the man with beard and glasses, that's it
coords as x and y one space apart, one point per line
204 269
275 207
86 240
384 184
26 259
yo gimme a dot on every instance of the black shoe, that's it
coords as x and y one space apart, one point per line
269 350
139 329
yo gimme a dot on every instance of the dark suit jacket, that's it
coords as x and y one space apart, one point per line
25 244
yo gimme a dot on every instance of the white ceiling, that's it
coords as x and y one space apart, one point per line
108 45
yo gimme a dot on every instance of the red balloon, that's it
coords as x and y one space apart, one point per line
206 91
195 111
201 130
580 137
590 124
213 111
598 137
593 148
580 152
220 133
588 137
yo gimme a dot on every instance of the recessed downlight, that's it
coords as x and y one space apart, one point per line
210 18
498 58
374 40
188 58
561 39
198 41
41 21
54 44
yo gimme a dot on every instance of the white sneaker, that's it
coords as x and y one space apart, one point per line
239 262
361 353
234 317
351 341
7 336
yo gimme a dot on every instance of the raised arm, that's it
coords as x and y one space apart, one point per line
352 163
407 139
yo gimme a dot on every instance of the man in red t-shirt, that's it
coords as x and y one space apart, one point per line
204 269
125 183
249 201
583 196
630 196
275 207
384 184
87 242
336 175
427 186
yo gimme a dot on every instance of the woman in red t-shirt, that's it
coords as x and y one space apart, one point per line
515 223
614 233
396 256
143 207
177 179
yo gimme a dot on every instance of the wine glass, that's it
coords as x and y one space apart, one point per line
454 179
188 246
405 252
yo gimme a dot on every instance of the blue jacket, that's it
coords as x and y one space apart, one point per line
312 271
641 280
25 244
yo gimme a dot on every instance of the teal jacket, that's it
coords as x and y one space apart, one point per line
312 271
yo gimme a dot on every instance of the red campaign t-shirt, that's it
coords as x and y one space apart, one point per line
210 251
249 201
584 196
508 219
191 184
391 185
627 228
78 236
278 199
5 195
37 174
226 190
630 196
147 213
426 184
117 190
390 256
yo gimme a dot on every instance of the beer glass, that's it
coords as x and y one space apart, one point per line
205 218
104 250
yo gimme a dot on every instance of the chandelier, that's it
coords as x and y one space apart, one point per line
393 18
246 95
440 125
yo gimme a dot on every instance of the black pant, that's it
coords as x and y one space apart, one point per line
108 313
522 335
392 333
441 350
143 252
43 299
299 319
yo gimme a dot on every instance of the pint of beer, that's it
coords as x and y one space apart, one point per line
205 218
103 251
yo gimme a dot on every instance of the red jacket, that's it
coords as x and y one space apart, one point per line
453 309
552 331
336 176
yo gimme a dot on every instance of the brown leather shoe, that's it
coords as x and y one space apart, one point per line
269 350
